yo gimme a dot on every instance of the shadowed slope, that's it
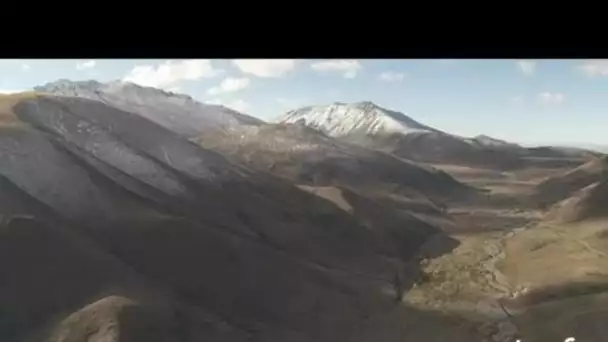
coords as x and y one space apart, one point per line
151 218
307 156
397 230
176 112
559 187
591 202
183 172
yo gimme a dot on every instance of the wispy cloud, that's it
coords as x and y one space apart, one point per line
11 91
391 76
594 68
549 98
230 85
349 67
268 68
167 74
86 65
526 67
517 99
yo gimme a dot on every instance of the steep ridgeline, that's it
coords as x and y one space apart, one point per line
356 120
561 186
115 228
177 112
307 156
370 125
590 202
378 189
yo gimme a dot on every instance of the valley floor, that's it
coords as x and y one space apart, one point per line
479 281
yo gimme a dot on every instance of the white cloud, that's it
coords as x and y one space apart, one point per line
526 67
11 91
517 99
551 98
391 76
349 67
167 74
273 68
25 67
86 65
229 85
593 68
237 104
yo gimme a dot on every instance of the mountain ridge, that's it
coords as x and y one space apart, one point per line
197 231
368 124
363 117
177 112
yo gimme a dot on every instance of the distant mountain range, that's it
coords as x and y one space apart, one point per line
368 124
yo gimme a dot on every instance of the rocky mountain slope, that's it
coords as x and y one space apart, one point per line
177 112
307 156
379 190
561 186
587 203
361 118
299 154
138 234
185 116
374 126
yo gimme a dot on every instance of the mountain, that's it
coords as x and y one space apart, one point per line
368 124
486 141
177 112
136 233
561 186
561 151
307 156
300 155
390 195
589 202
360 118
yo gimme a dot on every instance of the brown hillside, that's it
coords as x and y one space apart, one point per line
591 202
393 226
559 187
118 229
306 156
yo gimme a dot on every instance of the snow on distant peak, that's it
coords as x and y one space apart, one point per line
93 89
177 112
341 119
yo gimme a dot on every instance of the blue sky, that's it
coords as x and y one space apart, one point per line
524 101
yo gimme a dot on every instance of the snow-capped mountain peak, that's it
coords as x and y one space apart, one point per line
365 117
